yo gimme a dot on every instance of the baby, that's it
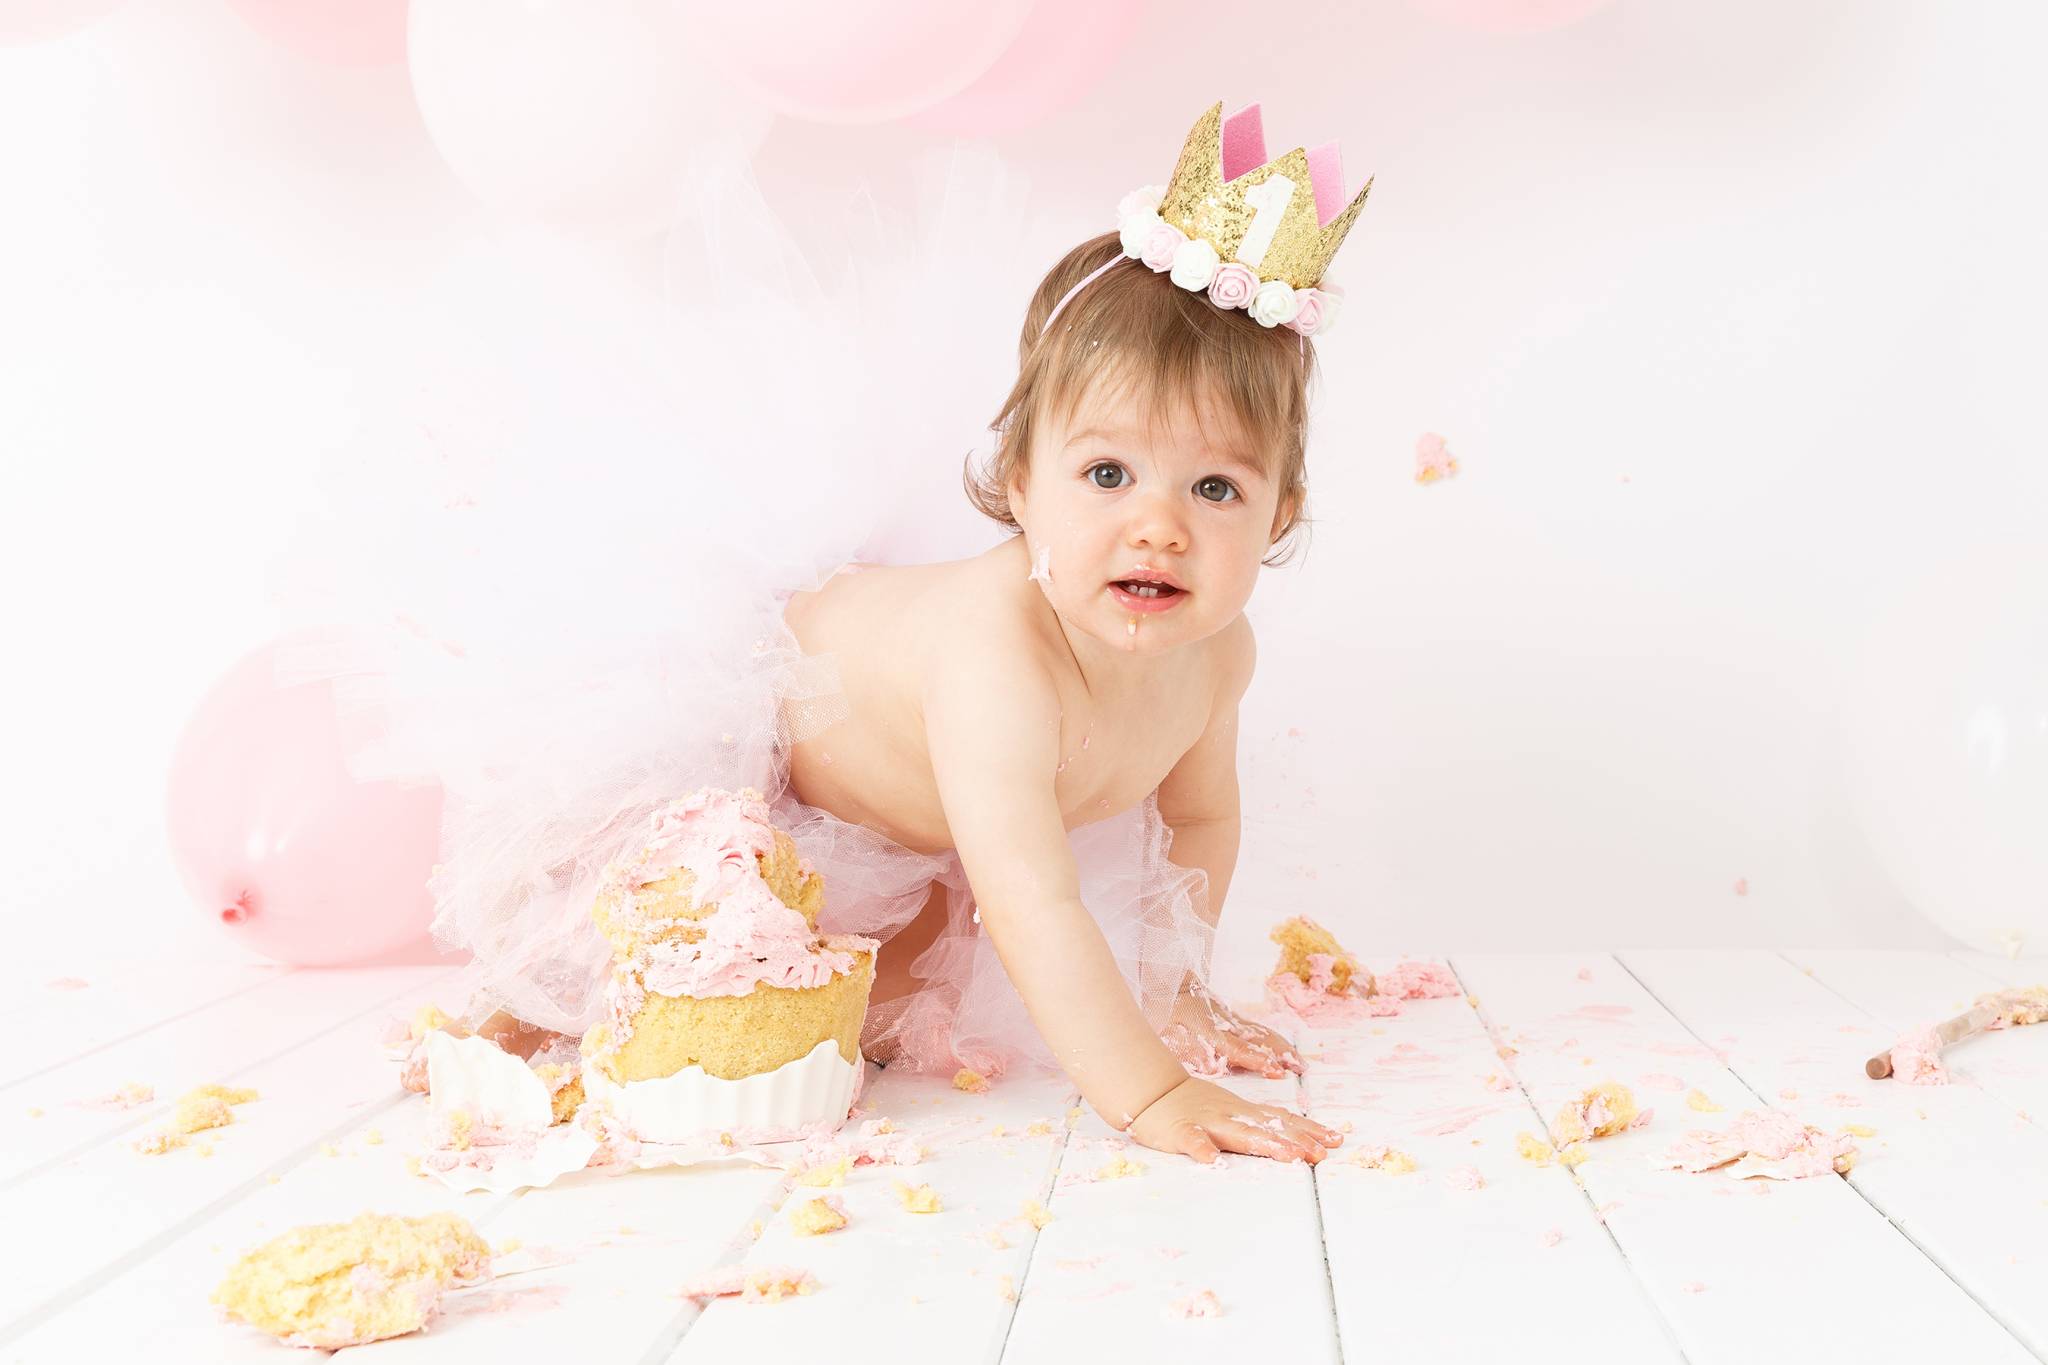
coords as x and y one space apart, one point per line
1018 770
1151 456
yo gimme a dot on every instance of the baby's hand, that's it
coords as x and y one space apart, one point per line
1209 1039
1202 1119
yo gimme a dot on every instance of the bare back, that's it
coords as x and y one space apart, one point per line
888 624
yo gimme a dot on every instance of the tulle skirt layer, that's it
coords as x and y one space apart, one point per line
515 889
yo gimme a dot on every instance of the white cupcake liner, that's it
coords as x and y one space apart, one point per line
783 1104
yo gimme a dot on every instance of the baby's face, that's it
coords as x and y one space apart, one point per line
1107 499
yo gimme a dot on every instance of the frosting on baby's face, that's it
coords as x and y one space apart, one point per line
1111 494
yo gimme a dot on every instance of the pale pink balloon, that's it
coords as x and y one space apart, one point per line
599 116
1508 16
274 838
336 32
1064 49
858 61
31 21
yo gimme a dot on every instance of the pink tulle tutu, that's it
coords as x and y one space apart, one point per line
537 954
561 562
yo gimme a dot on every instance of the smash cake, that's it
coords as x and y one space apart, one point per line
729 1019
726 1008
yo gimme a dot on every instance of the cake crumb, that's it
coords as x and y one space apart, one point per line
1572 1154
35 1111
1202 1305
1861 1130
1074 1118
993 1235
765 1284
822 1214
373 1138
1697 1101
997 1131
507 1247
1534 1149
1119 1167
1037 1214
1387 1159
1464 1178
329 1149
1553 1236
1006 1286
973 1082
831 1173
1602 1111
1039 1128
923 1199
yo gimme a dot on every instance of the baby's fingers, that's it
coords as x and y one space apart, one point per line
1254 1139
1192 1141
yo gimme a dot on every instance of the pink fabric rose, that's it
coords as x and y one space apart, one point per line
1308 318
1160 245
1233 285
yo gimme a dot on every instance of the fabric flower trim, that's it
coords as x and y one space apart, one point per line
1193 264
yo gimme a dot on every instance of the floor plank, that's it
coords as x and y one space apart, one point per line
902 1276
1743 1271
53 1118
58 1019
1406 1251
103 1208
1952 1168
1120 1252
1904 991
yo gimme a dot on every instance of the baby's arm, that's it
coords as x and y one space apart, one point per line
992 718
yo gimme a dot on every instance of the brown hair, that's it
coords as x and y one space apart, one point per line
1171 342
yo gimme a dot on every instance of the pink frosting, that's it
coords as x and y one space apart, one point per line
752 937
1411 980
1765 1142
1916 1059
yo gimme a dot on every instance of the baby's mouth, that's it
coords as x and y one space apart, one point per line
1142 589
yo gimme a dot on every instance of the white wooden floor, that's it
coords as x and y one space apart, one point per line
1934 1249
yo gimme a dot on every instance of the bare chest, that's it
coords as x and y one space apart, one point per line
874 767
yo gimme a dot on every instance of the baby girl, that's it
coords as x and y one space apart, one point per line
1017 770
1151 457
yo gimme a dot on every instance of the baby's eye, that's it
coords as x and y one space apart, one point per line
1220 483
1092 469
1230 489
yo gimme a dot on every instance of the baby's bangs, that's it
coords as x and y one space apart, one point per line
1146 340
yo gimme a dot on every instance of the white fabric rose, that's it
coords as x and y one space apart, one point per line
1333 303
1134 227
1273 304
1194 264
1146 200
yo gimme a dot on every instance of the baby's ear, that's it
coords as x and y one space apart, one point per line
1284 515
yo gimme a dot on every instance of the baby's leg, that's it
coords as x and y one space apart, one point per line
892 964
893 978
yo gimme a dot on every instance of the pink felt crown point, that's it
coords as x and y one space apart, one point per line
1244 149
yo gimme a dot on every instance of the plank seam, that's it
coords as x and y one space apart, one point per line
1543 1127
1048 1195
134 1033
152 1115
88 1285
1728 1064
1315 1186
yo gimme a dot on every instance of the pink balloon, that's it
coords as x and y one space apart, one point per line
276 840
336 32
1508 16
1064 49
858 61
31 21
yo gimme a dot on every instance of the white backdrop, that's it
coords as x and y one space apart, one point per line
1728 312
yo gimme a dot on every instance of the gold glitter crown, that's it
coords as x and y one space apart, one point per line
1281 218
